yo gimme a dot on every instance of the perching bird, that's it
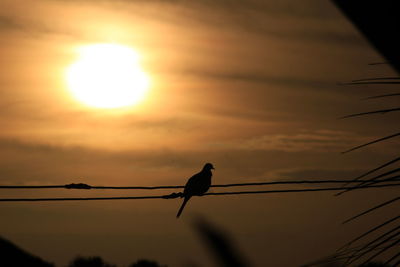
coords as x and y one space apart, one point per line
197 185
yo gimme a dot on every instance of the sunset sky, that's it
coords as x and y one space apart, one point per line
251 86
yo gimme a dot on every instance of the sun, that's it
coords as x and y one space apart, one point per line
107 76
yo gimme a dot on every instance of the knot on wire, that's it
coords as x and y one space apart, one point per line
78 186
173 195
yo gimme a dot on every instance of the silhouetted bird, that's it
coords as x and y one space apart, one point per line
197 185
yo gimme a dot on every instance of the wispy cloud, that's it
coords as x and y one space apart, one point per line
318 174
317 141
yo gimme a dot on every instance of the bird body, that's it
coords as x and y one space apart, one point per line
197 185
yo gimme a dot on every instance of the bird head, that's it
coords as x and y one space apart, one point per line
208 167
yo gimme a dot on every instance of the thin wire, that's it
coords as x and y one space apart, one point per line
369 172
383 111
378 63
355 83
176 195
372 209
376 79
368 232
86 186
381 96
372 142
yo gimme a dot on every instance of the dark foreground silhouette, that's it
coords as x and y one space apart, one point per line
98 262
225 252
13 256
220 245
89 262
197 185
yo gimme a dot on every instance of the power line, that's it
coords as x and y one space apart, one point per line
86 186
177 195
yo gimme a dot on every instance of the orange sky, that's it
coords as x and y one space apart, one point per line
251 86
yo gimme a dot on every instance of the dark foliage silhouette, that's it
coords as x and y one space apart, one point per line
89 262
379 32
146 263
13 256
381 29
197 185
375 264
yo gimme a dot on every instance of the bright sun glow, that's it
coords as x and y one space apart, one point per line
107 76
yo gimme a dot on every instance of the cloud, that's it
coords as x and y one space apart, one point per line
8 23
319 140
308 8
318 174
252 76
311 20
26 163
29 26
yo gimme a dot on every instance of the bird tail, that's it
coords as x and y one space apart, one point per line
185 200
